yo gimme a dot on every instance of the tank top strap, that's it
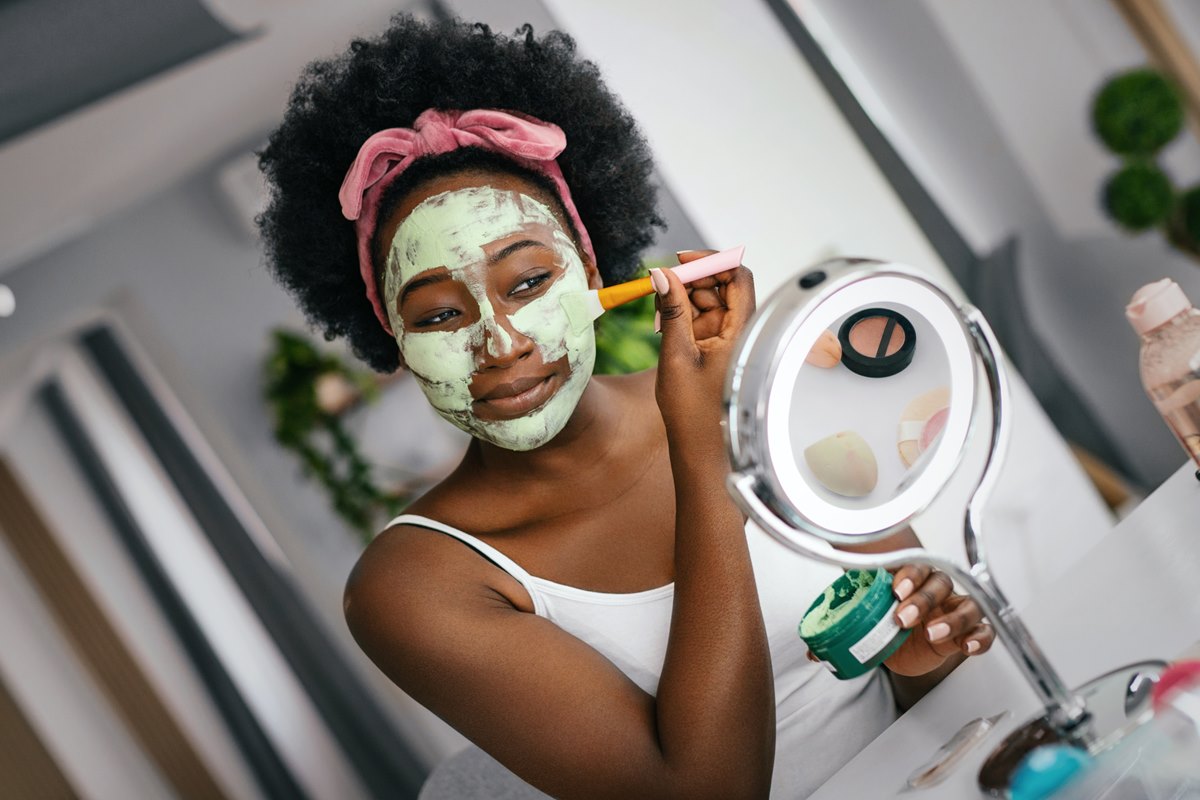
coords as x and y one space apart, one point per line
483 548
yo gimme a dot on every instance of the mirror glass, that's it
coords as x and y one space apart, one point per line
864 427
868 401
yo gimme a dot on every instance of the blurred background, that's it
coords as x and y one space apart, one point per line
187 473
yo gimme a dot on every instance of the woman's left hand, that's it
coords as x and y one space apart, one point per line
943 623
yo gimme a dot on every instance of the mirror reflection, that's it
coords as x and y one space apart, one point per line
844 399
870 404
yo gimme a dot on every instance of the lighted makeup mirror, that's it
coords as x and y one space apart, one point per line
835 452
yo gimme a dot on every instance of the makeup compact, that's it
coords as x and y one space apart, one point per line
877 342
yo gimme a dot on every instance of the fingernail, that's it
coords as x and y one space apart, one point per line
908 615
938 631
972 646
903 589
679 253
659 281
658 322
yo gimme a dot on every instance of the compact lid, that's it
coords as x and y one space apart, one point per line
1154 304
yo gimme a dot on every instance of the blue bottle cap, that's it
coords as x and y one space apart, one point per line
1046 769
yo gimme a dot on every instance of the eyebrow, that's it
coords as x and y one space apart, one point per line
427 280
438 277
512 248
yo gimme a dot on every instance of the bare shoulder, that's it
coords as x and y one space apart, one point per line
411 578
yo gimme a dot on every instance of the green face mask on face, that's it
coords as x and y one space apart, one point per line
451 230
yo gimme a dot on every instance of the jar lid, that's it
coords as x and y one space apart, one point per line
1154 304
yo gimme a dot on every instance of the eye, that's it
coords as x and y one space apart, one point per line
436 319
529 285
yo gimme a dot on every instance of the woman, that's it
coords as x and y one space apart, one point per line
480 179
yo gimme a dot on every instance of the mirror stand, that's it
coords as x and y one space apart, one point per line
1082 717
1095 715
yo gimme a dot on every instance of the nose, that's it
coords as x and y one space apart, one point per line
503 345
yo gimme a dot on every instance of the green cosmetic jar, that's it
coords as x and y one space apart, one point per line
852 626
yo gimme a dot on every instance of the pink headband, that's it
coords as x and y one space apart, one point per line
530 142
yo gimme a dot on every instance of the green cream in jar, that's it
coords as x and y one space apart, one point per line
851 627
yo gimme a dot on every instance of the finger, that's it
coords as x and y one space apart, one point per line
978 640
675 310
909 577
954 621
738 296
706 300
925 599
709 282
685 256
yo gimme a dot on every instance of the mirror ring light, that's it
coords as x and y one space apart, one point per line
768 361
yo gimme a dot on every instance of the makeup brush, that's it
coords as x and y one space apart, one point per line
584 307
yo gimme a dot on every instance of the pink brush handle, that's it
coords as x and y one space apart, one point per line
710 265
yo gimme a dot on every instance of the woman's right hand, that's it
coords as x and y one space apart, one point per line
700 327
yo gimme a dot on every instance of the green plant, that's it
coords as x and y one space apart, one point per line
327 451
1139 196
1136 114
625 338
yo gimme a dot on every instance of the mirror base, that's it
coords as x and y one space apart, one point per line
1118 703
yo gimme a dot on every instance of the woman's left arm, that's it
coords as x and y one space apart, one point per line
946 627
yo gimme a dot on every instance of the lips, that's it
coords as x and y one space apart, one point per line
506 390
516 398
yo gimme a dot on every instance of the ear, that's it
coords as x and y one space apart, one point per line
593 274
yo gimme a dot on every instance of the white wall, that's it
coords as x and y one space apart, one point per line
64 177
743 134
989 104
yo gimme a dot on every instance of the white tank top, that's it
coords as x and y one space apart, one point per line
821 721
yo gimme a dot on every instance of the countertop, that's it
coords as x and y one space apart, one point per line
1134 596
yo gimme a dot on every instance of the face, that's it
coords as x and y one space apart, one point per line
473 277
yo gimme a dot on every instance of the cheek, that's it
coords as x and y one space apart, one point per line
444 358
545 321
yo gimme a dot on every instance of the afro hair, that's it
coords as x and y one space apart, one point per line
386 82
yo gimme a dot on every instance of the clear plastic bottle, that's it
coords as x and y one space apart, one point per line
1170 360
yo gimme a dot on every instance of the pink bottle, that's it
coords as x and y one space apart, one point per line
1170 357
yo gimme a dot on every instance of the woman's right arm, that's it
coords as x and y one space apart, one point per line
443 625
717 689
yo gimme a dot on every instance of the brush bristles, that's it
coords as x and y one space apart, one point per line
582 308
